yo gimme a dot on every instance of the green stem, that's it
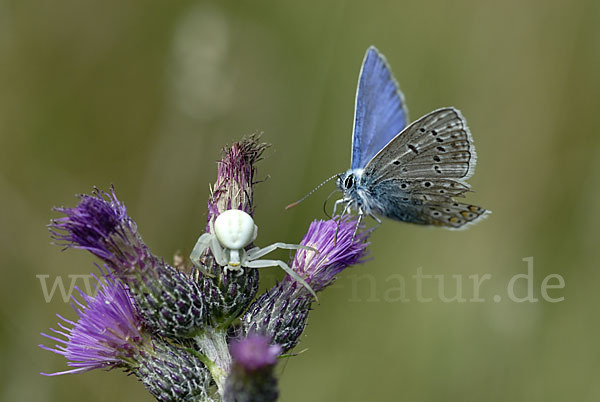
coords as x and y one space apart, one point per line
212 343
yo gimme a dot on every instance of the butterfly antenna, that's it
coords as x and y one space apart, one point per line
293 204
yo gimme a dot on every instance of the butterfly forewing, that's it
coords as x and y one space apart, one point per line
438 145
380 112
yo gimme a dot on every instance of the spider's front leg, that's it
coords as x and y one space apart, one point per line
256 252
219 252
201 245
285 267
204 242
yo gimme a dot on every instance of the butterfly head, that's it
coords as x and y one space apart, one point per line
348 181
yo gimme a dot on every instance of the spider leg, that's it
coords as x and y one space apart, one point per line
201 245
199 248
256 252
219 252
285 267
237 269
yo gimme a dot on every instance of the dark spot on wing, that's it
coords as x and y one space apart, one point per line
413 148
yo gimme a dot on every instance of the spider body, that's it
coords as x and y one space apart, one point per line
230 233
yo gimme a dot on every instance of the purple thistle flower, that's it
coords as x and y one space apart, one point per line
108 333
254 352
281 313
338 248
169 300
251 378
100 225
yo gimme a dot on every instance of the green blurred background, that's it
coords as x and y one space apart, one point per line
143 94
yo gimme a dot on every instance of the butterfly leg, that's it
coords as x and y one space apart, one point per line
347 208
376 219
361 214
335 205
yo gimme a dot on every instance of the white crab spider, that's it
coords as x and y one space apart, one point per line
230 233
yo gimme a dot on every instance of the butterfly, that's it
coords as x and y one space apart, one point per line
406 172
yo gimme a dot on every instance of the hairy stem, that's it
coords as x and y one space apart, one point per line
212 342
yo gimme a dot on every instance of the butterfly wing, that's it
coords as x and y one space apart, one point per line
415 202
415 177
380 112
438 145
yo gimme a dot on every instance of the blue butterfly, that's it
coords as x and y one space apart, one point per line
406 172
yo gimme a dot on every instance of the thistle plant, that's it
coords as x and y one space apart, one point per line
195 331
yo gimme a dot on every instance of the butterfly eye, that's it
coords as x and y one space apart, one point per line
349 181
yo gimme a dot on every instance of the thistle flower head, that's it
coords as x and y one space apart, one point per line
254 352
170 302
107 334
282 311
338 248
251 378
100 225
235 182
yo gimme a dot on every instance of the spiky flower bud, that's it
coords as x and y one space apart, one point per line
171 373
251 378
234 187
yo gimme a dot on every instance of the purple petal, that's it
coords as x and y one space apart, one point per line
254 352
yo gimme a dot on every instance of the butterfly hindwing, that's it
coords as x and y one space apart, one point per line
453 215
380 110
